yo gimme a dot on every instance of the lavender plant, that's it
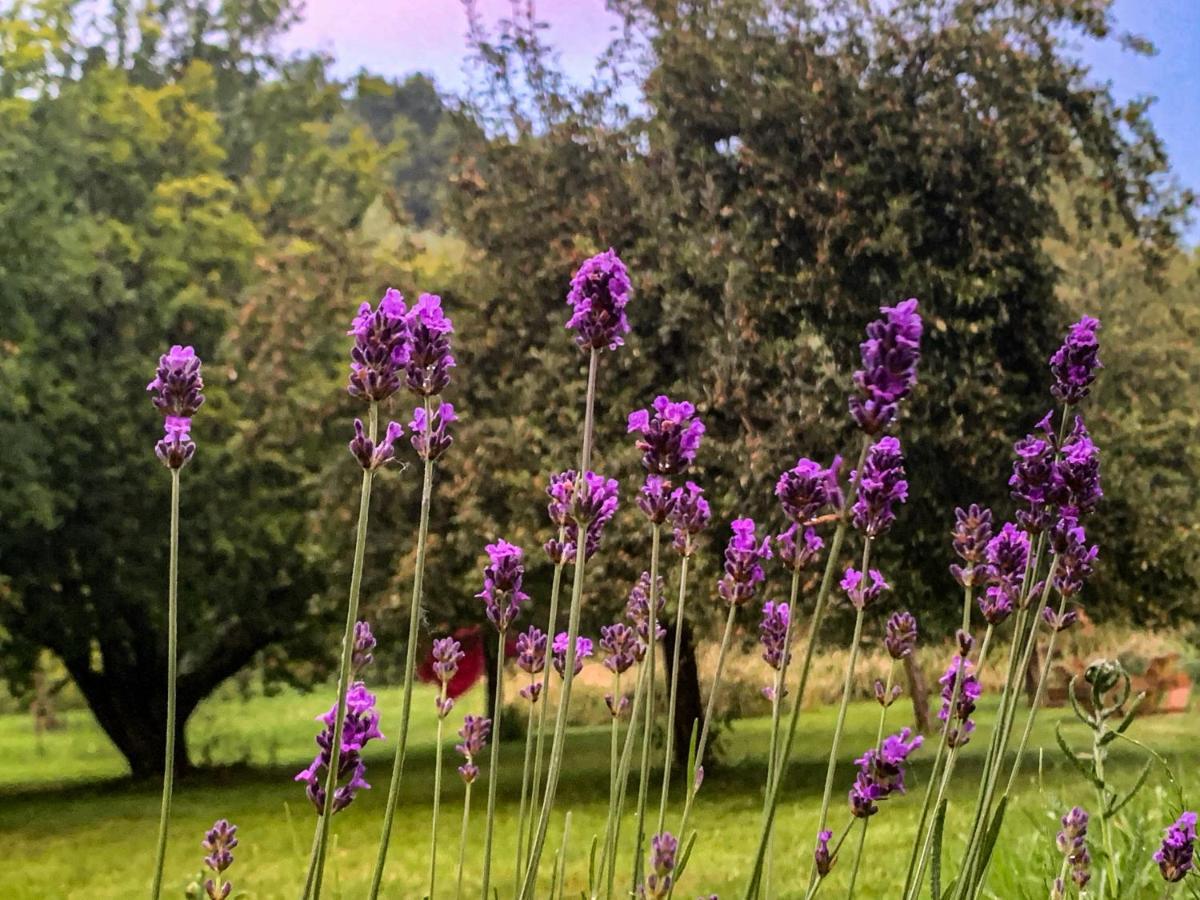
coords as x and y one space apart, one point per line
218 844
447 654
176 391
474 733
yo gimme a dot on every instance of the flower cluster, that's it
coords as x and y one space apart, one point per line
670 436
959 678
447 654
583 650
592 503
177 390
807 490
502 595
428 364
743 563
1077 473
881 485
972 531
690 515
362 653
600 291
531 659
474 733
1006 555
637 610
431 440
1176 856
1072 844
218 843
773 634
798 555
861 593
889 357
659 882
1033 479
370 455
1075 558
622 648
1075 363
881 772
360 726
822 856
380 348
900 634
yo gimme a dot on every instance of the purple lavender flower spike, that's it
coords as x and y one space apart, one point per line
431 443
177 385
219 842
593 502
364 643
798 555
1035 476
670 436
475 732
821 856
807 490
663 849
743 563
996 603
600 291
531 659
1006 556
882 697
881 485
381 348
656 499
972 531
447 654
176 447
881 773
1176 856
889 357
1068 541
637 610
772 634
372 456
960 672
361 725
583 650
1057 622
1077 473
1072 843
690 515
428 363
1075 363
861 593
502 595
900 634
619 643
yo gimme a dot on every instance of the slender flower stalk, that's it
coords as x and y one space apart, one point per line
474 733
648 728
447 654
531 659
177 393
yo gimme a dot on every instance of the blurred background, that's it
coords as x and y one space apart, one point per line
240 174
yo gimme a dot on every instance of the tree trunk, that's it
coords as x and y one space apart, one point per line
688 706
919 693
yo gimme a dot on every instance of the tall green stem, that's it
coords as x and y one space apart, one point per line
344 668
525 776
494 767
410 664
648 733
613 832
437 798
831 564
560 721
883 710
680 618
172 652
462 841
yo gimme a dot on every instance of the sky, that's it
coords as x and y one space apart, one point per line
398 37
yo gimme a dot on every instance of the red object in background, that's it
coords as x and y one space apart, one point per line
471 669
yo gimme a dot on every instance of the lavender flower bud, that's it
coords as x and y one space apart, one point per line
1176 856
960 672
773 633
583 650
881 773
364 643
1057 622
798 555
861 593
670 437
447 654
176 447
177 385
656 499
620 645
889 357
502 595
1071 842
637 610
882 696
1068 541
690 515
431 443
743 569
807 490
360 725
369 455
900 634
1034 477
427 369
658 884
1076 486
972 531
381 348
821 856
531 650
600 291
219 843
881 485
592 502
475 732
1075 363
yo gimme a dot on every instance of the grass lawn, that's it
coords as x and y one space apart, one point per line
72 826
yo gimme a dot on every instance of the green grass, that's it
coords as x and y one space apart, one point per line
72 826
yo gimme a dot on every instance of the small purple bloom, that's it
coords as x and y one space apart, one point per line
360 725
773 634
881 772
531 650
372 456
670 436
1034 479
1077 473
600 291
690 515
219 842
996 603
900 634
177 385
889 358
1006 555
1072 843
620 645
961 673
807 490
502 577
1074 364
972 531
475 732
583 650
364 644
427 368
1176 856
1057 622
798 555
881 485
882 697
821 856
663 850
656 499
447 654
861 593
1068 541
593 503
637 610
431 443
176 447
381 348
743 569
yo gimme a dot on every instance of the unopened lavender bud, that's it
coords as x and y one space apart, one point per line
966 643
1075 363
900 634
431 442
821 856
429 361
364 644
372 456
176 448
